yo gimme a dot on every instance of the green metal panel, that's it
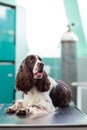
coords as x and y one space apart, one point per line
54 64
73 14
6 83
7 33
8 2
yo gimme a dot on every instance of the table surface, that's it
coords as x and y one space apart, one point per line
69 116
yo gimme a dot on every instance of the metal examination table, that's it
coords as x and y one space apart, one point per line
70 118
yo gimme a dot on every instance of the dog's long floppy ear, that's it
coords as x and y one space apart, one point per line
43 84
24 80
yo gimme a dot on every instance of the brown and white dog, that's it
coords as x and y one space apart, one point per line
42 94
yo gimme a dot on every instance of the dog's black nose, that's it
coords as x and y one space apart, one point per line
41 64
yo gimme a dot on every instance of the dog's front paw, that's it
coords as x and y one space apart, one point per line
10 110
22 112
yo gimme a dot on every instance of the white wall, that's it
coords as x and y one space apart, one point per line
83 13
45 23
21 44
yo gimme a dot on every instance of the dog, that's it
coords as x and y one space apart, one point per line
41 93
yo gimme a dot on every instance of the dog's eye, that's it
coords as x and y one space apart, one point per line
39 58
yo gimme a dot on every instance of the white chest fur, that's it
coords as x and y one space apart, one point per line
34 97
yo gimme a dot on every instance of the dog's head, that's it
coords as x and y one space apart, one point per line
35 65
31 73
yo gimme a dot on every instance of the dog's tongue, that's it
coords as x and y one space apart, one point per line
39 74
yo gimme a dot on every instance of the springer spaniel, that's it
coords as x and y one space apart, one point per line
41 93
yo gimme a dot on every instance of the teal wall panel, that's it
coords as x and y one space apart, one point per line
7 52
8 2
54 64
7 33
6 83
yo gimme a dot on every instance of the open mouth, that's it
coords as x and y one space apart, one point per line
38 74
